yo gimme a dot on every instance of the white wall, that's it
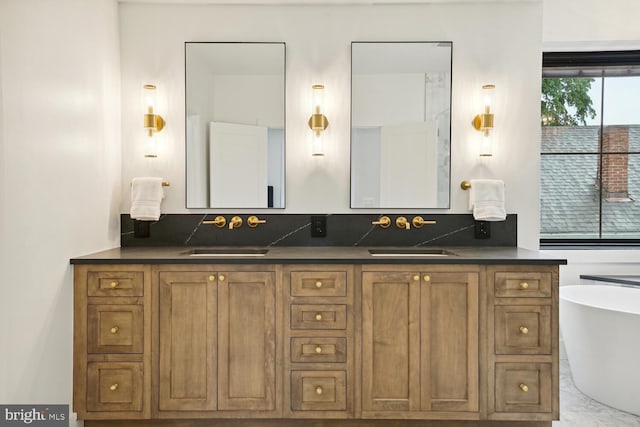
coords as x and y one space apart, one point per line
592 25
496 43
59 179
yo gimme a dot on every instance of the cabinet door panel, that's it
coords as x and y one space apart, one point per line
449 329
390 353
246 366
187 341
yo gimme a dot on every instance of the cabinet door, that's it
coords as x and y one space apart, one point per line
449 340
391 341
187 340
246 347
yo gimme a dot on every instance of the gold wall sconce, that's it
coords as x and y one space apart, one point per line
484 122
318 121
152 122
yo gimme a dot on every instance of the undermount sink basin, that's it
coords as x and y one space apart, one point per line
226 252
411 252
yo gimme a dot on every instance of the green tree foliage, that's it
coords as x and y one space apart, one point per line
566 101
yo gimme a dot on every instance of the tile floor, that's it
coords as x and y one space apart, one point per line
578 410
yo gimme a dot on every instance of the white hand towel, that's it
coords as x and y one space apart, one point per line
146 195
486 199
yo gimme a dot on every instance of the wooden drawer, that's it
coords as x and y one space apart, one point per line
318 390
114 386
520 284
318 350
315 316
319 283
115 283
523 329
523 387
115 328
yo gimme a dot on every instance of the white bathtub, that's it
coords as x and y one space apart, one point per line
600 326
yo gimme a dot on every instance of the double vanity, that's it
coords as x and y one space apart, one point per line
293 336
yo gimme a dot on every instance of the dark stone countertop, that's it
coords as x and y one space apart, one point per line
318 255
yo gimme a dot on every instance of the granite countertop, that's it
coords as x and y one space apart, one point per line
318 255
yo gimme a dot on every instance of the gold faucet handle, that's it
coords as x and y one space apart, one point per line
235 222
253 221
402 222
418 221
383 222
219 221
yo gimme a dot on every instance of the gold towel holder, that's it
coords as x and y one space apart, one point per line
164 184
465 185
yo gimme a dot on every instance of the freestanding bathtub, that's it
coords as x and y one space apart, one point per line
600 326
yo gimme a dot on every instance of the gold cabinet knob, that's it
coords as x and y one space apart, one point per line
416 277
427 278
221 277
253 221
212 278
524 388
113 387
114 284
384 222
235 222
418 221
318 349
524 285
319 390
219 221
318 284
115 329
402 222
318 316
524 330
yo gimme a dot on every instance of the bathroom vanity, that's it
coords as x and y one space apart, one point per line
462 337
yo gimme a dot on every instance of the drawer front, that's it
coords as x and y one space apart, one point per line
523 329
318 350
318 390
523 284
319 283
314 316
115 283
114 386
115 329
523 387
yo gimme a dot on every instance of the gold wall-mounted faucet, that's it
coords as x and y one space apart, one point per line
235 222
384 222
418 221
402 222
253 221
219 221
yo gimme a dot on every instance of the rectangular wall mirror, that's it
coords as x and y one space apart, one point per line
235 117
400 124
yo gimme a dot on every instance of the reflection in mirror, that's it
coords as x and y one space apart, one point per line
400 124
235 115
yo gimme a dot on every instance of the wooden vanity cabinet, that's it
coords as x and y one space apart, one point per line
216 342
420 342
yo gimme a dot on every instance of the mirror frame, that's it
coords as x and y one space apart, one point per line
351 201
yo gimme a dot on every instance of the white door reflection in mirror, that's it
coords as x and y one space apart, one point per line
400 124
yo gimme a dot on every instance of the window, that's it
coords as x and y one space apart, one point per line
590 148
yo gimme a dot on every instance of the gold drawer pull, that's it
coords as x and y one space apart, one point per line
319 390
212 278
115 329
318 316
318 349
113 387
318 284
524 388
221 277
114 284
524 330
524 285
427 278
416 277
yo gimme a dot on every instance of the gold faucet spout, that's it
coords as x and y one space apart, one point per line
235 222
